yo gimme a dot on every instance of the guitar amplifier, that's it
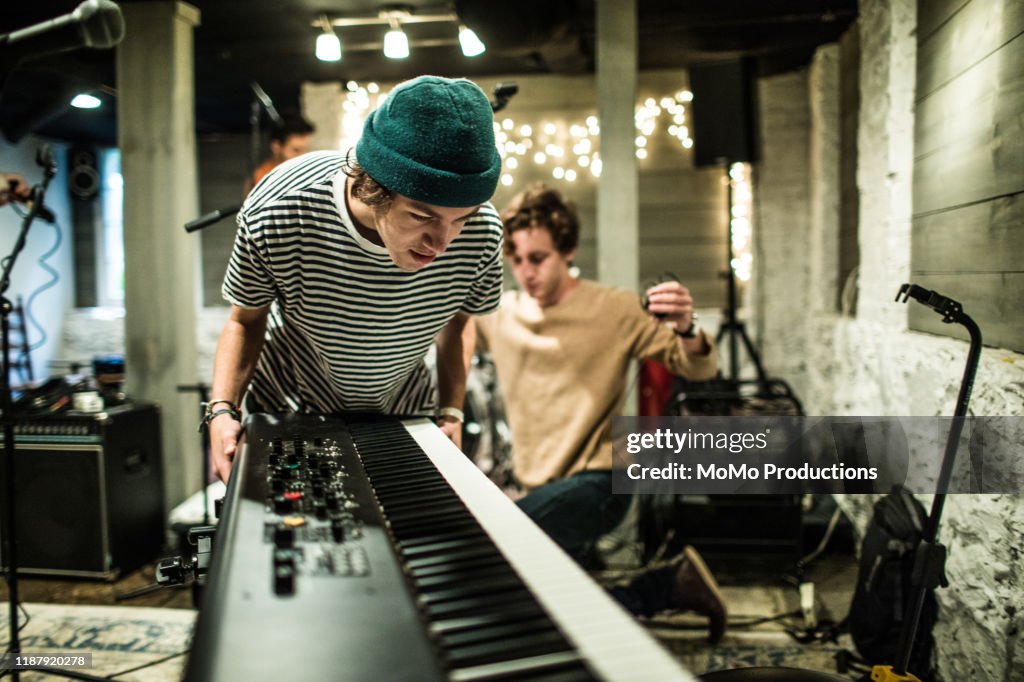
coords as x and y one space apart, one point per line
88 492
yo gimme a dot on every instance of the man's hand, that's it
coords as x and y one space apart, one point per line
224 432
452 428
13 188
673 302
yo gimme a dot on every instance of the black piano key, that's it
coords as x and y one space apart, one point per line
459 575
445 546
403 532
519 669
509 648
450 557
488 632
448 534
474 563
470 589
471 605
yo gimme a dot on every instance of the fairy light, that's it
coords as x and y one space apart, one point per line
740 230
570 146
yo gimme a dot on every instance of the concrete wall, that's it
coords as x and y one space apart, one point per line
28 275
870 363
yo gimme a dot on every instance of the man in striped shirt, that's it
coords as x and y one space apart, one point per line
345 271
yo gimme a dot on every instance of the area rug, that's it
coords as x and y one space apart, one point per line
765 644
129 643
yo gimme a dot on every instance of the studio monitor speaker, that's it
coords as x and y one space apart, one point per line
83 173
724 112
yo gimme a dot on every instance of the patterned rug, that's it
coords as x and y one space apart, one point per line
150 644
762 645
121 639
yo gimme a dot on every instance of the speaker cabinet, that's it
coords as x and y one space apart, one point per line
89 492
724 113
83 175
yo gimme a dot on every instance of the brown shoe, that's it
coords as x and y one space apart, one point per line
695 590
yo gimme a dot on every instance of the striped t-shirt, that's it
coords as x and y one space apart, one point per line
348 330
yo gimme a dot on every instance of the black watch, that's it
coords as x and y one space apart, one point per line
691 331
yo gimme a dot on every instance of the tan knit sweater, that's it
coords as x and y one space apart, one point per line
563 371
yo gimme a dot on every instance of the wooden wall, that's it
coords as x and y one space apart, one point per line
968 225
683 210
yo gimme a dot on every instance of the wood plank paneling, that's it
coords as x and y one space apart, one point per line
985 237
969 140
932 15
977 30
968 225
992 300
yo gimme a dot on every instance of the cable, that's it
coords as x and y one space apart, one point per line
54 279
833 522
147 665
731 623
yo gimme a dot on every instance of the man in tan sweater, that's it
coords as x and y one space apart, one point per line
563 348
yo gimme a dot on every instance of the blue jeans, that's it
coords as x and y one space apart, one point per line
578 510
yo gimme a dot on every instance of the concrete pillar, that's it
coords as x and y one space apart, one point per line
156 133
823 90
885 157
617 189
618 196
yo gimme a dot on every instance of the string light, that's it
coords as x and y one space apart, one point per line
570 146
739 225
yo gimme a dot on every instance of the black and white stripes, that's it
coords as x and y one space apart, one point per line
348 329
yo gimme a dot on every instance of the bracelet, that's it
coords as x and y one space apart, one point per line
453 412
210 403
210 416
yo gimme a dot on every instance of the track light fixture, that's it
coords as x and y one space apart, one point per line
396 43
328 44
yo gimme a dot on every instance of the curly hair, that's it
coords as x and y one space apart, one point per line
542 207
366 189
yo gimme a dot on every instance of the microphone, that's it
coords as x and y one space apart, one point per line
94 23
210 218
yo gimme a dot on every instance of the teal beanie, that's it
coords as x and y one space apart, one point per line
433 141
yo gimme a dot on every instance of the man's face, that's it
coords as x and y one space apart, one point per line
539 268
293 145
416 233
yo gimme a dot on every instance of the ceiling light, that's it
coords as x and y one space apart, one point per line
396 44
471 44
328 47
84 101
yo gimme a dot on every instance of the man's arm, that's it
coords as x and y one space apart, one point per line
454 355
672 301
237 352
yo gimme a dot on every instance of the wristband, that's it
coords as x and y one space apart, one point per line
692 330
453 412
210 416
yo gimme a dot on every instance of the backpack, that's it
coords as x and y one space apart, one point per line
884 590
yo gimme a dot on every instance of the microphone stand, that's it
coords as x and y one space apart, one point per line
929 570
44 157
